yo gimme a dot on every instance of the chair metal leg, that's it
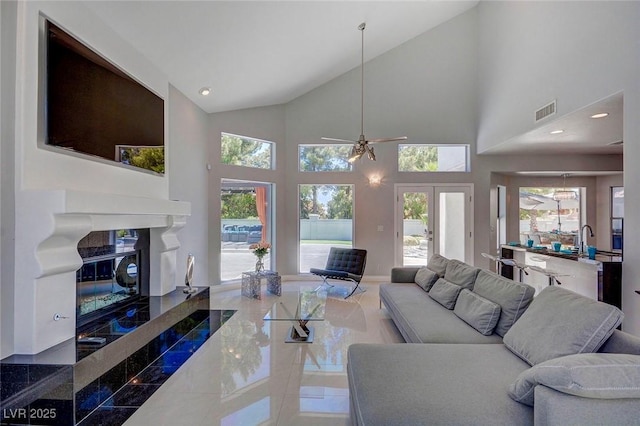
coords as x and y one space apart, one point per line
324 282
361 289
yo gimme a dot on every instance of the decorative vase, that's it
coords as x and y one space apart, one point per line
259 265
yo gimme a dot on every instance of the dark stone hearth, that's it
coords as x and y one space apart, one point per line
80 394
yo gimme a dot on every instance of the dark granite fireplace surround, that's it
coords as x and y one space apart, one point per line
79 384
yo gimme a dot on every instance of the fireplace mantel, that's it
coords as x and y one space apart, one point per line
53 222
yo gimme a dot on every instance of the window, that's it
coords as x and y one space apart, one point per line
617 217
324 158
545 219
326 213
433 158
245 151
246 219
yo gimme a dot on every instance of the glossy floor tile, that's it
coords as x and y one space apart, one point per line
245 374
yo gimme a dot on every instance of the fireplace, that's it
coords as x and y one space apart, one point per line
46 298
114 272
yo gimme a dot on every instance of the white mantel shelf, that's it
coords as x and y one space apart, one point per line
97 203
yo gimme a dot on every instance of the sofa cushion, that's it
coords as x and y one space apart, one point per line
513 297
438 264
443 384
478 312
602 376
445 293
420 319
461 274
560 322
426 278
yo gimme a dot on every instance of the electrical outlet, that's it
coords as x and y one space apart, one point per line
380 228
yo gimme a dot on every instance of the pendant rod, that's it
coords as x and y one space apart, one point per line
361 27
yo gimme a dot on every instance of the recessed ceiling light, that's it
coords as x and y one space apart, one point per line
205 91
600 115
556 132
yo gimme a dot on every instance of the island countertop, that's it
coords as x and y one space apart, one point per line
599 279
601 255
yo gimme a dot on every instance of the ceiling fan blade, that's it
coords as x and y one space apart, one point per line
401 138
338 140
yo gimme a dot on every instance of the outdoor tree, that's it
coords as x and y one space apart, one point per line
239 206
147 158
309 203
341 204
324 158
415 206
418 158
245 152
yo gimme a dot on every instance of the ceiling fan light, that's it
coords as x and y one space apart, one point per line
354 157
356 153
370 153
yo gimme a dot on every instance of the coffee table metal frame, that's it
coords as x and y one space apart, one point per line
299 332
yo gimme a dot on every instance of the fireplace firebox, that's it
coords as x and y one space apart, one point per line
115 272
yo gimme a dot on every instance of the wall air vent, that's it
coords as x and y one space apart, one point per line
545 111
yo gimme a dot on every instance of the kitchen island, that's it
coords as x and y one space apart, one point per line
599 279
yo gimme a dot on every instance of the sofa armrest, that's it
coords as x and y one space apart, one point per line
556 408
404 274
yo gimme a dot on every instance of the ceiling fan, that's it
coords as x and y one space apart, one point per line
361 146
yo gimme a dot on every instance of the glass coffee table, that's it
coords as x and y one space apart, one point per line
299 308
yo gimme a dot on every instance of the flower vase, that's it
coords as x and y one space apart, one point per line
259 265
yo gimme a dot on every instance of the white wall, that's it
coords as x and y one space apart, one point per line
7 179
577 53
425 90
442 87
189 133
33 176
535 52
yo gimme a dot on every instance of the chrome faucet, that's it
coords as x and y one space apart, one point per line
582 240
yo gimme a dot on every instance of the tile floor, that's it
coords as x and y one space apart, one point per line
245 374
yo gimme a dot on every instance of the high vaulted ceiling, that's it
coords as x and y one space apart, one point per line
257 53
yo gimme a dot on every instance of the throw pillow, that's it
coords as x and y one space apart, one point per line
425 278
560 322
513 297
603 376
478 312
460 273
438 264
445 293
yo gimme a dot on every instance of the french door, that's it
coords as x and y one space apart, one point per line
433 219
